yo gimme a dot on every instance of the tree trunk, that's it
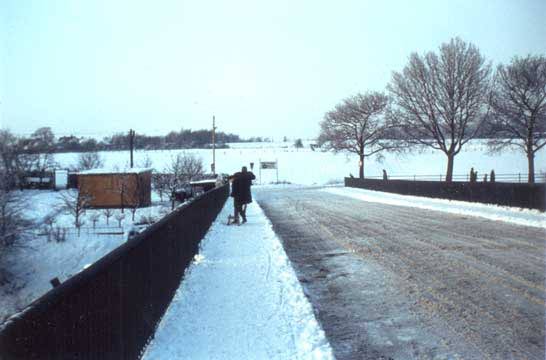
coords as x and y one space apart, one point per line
361 167
531 162
449 173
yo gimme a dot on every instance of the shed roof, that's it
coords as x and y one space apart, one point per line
205 181
105 171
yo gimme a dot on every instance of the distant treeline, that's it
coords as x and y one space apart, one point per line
183 139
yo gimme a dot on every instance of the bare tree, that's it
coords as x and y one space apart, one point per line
184 167
8 156
36 152
119 216
518 108
441 98
13 225
133 212
146 162
50 219
108 213
95 217
134 205
89 160
357 125
75 204
17 157
160 183
123 184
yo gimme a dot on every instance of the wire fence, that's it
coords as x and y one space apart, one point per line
72 231
508 178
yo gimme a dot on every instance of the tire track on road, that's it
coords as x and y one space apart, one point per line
449 274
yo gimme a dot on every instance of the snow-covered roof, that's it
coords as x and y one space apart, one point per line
206 181
106 171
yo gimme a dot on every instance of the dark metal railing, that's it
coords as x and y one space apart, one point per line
531 196
511 178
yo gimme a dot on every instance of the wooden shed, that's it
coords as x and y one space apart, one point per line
116 189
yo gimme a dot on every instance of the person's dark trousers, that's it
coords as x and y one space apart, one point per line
243 212
238 209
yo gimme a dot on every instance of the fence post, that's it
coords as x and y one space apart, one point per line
440 177
519 177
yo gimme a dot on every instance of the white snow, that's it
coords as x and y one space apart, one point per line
114 170
240 299
493 212
307 167
32 266
206 181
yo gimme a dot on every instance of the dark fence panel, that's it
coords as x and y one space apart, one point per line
531 196
111 309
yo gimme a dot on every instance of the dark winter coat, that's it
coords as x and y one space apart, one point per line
240 187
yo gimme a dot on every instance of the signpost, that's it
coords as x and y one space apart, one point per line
267 165
213 165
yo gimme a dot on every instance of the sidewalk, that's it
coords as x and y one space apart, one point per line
240 299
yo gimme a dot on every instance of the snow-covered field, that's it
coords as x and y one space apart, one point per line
307 167
525 217
240 299
32 266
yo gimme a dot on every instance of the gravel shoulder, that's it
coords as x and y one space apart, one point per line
398 282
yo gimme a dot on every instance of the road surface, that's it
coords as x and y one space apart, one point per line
399 282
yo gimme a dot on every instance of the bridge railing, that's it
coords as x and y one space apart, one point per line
531 196
503 177
111 309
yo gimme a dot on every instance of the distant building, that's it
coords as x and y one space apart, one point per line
116 189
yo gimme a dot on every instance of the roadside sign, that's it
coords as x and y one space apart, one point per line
268 164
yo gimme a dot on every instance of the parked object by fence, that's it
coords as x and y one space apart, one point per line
524 195
38 180
111 309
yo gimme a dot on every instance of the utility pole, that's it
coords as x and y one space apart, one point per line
131 144
213 145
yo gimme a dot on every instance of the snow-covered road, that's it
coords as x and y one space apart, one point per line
240 299
395 279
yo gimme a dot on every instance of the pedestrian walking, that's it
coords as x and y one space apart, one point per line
240 191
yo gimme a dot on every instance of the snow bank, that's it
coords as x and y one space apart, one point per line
240 299
493 212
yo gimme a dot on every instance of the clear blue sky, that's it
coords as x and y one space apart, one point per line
263 68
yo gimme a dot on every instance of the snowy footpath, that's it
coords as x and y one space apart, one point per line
240 299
